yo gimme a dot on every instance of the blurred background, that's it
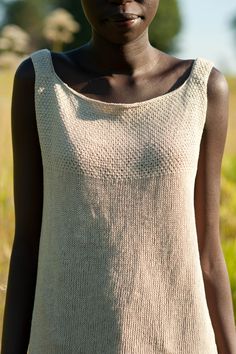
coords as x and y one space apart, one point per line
182 28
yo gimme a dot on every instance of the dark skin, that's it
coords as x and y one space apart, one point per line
127 69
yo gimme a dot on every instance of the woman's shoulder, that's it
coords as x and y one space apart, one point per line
24 73
217 84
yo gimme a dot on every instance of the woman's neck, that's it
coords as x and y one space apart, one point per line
131 58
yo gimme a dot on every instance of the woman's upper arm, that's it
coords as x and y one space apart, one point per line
207 183
27 162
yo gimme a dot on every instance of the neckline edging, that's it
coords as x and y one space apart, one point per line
121 104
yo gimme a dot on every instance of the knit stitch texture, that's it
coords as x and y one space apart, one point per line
119 268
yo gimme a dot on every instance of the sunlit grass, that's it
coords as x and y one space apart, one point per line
229 249
6 183
230 147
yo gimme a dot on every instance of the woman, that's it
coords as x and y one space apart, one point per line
117 155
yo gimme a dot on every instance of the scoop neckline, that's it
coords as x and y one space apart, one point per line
122 104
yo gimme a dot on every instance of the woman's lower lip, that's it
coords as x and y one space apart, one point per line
126 23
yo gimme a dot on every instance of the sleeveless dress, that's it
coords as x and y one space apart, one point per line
119 269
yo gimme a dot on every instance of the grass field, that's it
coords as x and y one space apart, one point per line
6 185
230 147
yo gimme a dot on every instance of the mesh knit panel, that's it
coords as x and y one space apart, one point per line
119 269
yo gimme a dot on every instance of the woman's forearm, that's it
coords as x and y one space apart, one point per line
220 305
19 301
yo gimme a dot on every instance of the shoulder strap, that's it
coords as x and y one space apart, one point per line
201 70
42 63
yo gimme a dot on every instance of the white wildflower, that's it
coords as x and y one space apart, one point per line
60 26
5 43
14 38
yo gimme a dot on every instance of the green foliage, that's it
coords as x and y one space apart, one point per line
229 250
165 26
229 168
28 15
228 197
25 14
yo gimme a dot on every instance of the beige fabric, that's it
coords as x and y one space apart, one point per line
119 269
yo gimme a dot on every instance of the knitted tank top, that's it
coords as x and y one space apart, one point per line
119 269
